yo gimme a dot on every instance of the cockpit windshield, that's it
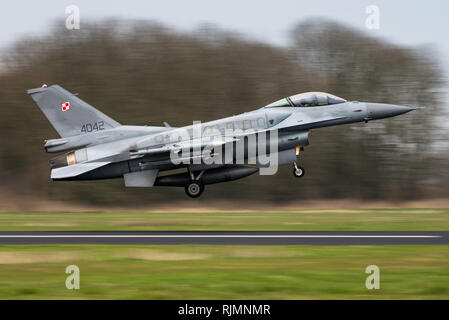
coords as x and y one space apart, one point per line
308 99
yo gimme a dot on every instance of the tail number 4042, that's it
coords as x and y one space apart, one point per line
90 127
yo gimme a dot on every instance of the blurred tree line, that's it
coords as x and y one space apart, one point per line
141 73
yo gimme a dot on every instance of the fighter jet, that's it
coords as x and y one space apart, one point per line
99 147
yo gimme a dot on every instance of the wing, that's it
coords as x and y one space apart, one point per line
198 144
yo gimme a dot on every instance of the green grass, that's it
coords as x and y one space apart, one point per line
224 272
367 219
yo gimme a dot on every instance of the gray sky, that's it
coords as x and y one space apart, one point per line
411 22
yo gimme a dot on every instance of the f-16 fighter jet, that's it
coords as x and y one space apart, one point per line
227 149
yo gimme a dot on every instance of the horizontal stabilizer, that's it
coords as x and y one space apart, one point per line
76 169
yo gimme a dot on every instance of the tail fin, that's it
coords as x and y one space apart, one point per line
68 114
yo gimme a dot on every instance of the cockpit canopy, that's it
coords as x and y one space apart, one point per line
307 99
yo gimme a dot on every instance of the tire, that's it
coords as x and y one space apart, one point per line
299 172
194 189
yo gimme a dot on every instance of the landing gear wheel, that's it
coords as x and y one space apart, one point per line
298 171
194 189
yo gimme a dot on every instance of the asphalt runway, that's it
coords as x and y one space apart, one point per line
226 237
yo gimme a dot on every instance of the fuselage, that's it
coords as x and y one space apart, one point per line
284 119
292 123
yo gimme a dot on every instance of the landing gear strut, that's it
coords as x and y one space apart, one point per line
194 188
298 171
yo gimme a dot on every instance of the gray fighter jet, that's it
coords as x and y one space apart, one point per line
101 148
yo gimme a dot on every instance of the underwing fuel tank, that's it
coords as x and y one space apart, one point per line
222 174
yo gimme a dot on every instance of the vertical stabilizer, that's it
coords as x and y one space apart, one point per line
68 114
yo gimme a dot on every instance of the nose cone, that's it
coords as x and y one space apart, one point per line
382 110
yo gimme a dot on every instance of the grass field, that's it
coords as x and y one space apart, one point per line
226 272
369 220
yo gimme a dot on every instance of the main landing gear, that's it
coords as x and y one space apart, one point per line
194 188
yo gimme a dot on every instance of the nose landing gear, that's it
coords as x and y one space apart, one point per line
298 171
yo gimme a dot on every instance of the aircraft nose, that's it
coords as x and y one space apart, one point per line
382 110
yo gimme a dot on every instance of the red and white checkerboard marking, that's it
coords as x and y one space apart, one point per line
65 106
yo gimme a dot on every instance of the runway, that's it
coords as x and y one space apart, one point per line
226 237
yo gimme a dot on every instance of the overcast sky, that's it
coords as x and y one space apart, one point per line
412 22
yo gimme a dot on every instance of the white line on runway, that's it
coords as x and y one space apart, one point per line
218 236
